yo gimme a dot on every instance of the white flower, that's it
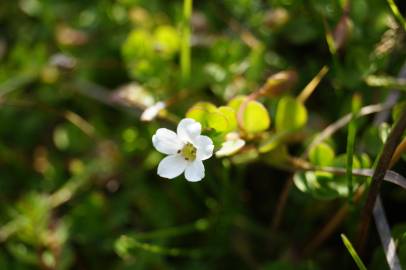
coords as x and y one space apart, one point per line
186 150
151 112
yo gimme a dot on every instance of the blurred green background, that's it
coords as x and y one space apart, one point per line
78 182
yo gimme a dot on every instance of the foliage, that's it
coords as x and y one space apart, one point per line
78 181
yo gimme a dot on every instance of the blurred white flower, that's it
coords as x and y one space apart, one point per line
186 150
151 112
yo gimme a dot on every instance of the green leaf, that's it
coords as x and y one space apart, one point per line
341 161
324 185
291 115
222 119
271 142
61 138
316 184
341 182
68 137
230 114
235 103
166 40
365 161
371 140
138 44
278 156
217 121
256 117
200 112
321 155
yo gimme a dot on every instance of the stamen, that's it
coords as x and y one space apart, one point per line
189 152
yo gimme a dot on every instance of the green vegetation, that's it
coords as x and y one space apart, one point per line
298 97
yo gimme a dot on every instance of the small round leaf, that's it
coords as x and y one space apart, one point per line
291 115
256 117
200 112
321 155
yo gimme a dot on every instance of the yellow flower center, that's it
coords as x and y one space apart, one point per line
188 152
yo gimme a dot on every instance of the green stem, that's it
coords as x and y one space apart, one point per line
198 226
186 33
125 246
352 130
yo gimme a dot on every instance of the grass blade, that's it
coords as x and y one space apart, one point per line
396 13
353 253
352 130
311 86
186 33
388 243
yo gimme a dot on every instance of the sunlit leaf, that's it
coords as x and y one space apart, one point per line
235 103
166 40
217 121
200 112
230 114
291 115
321 155
138 43
222 119
256 117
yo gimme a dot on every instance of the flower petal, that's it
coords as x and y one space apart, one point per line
204 147
152 112
172 166
188 129
230 147
166 141
194 171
